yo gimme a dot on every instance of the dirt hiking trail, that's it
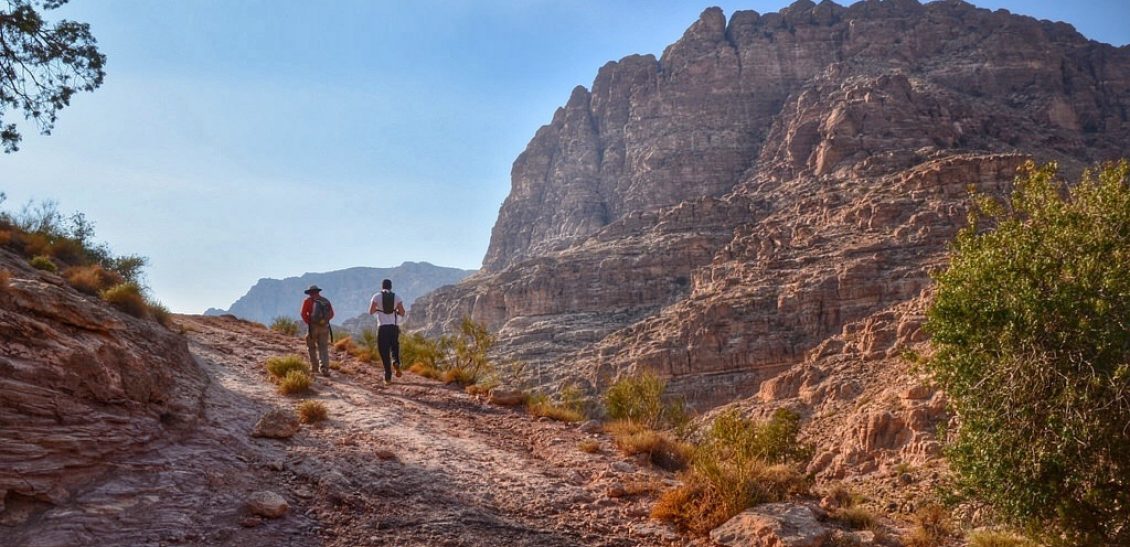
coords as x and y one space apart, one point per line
414 463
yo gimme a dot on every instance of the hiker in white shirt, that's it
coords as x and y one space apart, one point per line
389 310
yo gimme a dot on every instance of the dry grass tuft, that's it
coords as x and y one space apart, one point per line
127 297
427 371
997 538
285 326
856 517
590 446
661 449
931 527
311 411
159 313
345 344
458 375
5 277
280 366
295 381
540 405
92 279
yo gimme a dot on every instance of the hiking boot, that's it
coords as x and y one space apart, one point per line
326 372
388 381
397 367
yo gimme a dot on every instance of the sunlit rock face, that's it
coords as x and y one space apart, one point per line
735 208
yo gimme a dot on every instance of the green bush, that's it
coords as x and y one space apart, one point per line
280 366
1032 345
285 325
44 263
640 399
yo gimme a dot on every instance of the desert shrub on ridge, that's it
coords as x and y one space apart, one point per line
285 325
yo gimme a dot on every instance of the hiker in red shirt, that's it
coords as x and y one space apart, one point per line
316 313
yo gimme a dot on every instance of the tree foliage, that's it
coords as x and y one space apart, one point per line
1031 326
42 65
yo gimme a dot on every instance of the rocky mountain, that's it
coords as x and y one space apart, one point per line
770 195
350 290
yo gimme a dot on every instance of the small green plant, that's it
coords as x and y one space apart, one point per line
295 381
127 297
285 325
44 263
641 399
311 411
280 366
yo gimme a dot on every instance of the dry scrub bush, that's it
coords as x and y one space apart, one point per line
312 411
285 325
424 370
280 366
159 313
91 279
5 277
295 381
126 297
931 527
459 375
541 405
738 465
42 262
856 517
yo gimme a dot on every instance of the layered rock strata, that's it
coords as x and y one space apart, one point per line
81 385
719 213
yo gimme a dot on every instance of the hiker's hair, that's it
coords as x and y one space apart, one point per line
386 284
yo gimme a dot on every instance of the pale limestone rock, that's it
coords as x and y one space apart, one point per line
772 525
267 504
506 396
277 423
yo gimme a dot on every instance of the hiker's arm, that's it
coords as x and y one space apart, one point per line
400 308
305 313
372 306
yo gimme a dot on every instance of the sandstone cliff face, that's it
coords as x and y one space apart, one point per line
80 385
718 212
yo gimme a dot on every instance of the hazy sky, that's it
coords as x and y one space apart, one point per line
240 139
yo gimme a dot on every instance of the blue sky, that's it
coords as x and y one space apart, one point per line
240 139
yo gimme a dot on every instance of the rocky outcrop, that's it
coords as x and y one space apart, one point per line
81 385
773 524
350 290
719 213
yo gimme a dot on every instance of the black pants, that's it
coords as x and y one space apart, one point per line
388 340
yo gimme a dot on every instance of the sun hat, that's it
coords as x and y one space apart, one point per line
313 289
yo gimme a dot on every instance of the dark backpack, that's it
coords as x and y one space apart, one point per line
320 311
388 302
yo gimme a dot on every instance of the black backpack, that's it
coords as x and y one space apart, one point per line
320 312
388 302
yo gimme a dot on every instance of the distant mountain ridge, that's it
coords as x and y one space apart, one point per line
349 290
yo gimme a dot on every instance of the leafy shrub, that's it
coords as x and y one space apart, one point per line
285 325
640 399
417 348
738 465
91 279
295 381
126 297
540 405
44 263
311 411
280 366
1029 326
